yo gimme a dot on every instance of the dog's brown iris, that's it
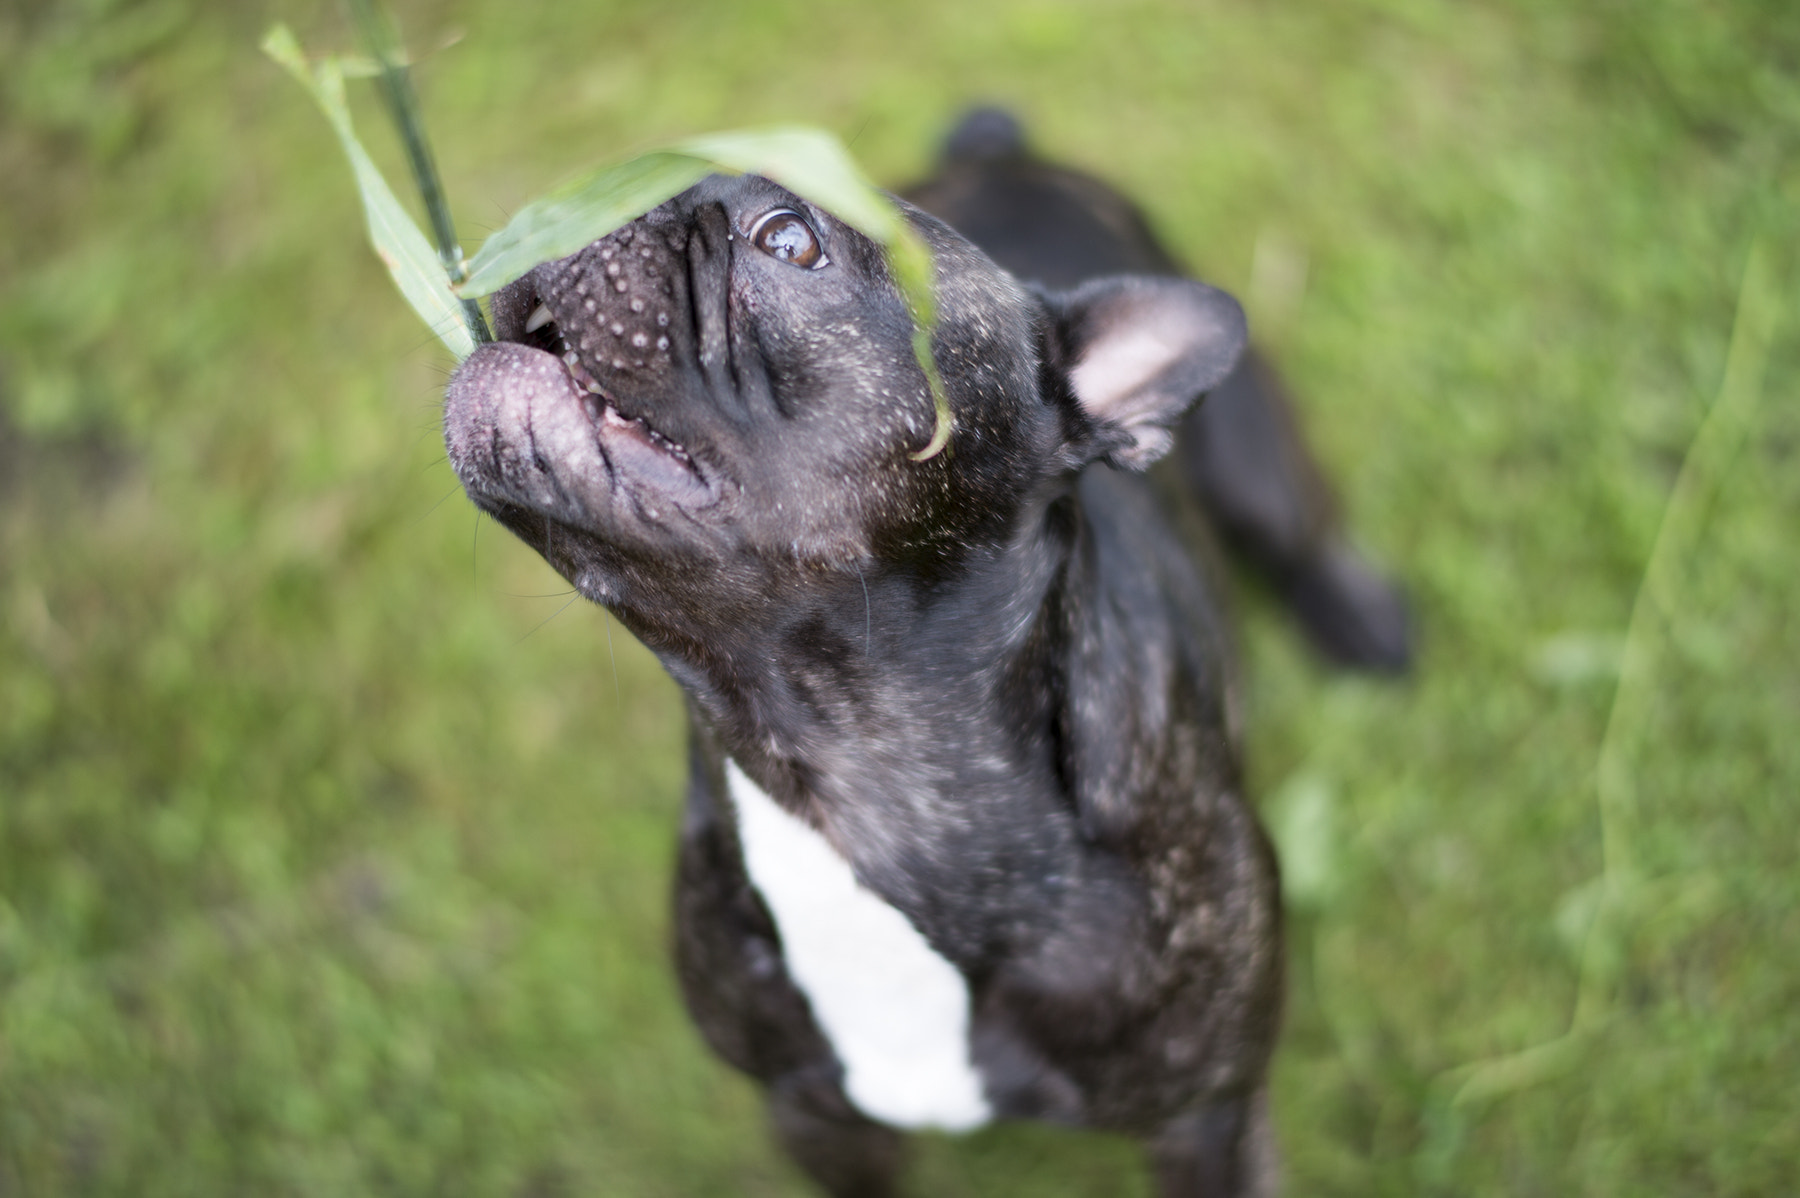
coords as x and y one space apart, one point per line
787 236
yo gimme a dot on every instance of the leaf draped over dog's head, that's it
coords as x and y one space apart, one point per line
806 161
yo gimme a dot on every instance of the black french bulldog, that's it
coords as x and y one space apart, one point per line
965 837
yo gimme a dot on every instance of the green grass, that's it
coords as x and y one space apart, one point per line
334 842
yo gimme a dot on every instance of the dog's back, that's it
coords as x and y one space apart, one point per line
1240 452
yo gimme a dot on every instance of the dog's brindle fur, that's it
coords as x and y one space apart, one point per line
993 680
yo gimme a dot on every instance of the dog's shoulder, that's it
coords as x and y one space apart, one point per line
1151 659
1044 222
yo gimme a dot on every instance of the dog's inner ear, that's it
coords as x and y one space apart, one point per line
1138 351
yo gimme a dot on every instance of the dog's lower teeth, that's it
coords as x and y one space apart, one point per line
594 403
540 316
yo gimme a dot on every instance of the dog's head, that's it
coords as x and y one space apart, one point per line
702 409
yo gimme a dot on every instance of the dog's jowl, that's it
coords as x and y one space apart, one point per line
965 837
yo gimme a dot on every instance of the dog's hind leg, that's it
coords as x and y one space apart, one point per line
1224 1150
1241 452
847 1155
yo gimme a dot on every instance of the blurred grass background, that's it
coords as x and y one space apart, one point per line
334 841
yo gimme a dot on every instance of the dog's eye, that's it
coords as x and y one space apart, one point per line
786 235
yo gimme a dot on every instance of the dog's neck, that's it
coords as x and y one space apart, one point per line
888 712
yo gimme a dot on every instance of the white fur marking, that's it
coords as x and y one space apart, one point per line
896 1012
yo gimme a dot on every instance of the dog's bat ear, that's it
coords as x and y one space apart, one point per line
1137 351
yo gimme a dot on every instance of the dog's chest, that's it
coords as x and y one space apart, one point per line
895 1011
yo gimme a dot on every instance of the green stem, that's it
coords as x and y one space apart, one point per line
403 107
1720 432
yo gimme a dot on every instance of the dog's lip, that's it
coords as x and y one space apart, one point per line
643 466
627 438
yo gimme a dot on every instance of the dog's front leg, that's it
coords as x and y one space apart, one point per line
1224 1150
847 1155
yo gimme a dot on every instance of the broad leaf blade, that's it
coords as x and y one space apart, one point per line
911 261
409 257
808 162
587 207
814 164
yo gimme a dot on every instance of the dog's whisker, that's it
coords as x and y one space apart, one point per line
618 691
427 513
868 617
474 550
541 623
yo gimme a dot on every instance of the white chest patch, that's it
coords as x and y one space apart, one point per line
896 1012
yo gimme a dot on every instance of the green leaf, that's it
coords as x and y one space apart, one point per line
581 210
911 261
808 162
405 251
812 163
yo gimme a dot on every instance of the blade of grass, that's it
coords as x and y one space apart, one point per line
1717 440
808 162
383 43
911 261
814 164
570 216
405 251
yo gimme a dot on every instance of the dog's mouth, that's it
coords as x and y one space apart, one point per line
603 408
631 444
